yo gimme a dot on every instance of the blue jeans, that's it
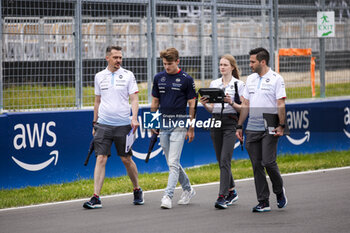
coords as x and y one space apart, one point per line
172 141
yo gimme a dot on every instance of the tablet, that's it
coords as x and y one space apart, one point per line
214 95
271 122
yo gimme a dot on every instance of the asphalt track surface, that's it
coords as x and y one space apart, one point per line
317 202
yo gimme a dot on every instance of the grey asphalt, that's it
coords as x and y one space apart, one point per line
317 202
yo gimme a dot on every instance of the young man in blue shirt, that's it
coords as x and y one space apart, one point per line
172 90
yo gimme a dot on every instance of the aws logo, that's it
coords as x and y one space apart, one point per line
141 132
298 120
347 120
33 136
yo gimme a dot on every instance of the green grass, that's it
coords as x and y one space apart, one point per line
59 96
342 89
204 174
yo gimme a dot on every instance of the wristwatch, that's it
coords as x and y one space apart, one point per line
282 125
239 127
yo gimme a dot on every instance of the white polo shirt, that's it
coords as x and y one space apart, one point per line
228 89
263 93
114 89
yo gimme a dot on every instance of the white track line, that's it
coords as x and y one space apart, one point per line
160 190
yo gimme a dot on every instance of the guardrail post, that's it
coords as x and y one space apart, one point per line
275 13
1 76
154 37
271 35
322 60
149 51
214 39
202 44
78 55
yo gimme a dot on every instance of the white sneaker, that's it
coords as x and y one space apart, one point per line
166 202
186 197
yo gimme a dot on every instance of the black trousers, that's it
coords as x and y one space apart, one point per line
224 139
262 150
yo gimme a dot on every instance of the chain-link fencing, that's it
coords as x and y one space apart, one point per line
51 49
297 28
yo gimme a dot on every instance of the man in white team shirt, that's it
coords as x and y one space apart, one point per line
264 93
114 86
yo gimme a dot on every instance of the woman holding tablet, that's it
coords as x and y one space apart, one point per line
224 137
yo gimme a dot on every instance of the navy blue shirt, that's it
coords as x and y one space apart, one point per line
173 92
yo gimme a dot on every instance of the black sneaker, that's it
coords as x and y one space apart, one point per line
138 197
282 199
221 202
231 197
263 206
94 203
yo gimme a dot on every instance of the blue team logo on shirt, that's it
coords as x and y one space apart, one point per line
152 120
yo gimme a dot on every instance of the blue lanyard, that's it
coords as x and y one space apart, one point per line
112 80
260 78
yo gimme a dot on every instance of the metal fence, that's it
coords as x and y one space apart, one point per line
51 49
